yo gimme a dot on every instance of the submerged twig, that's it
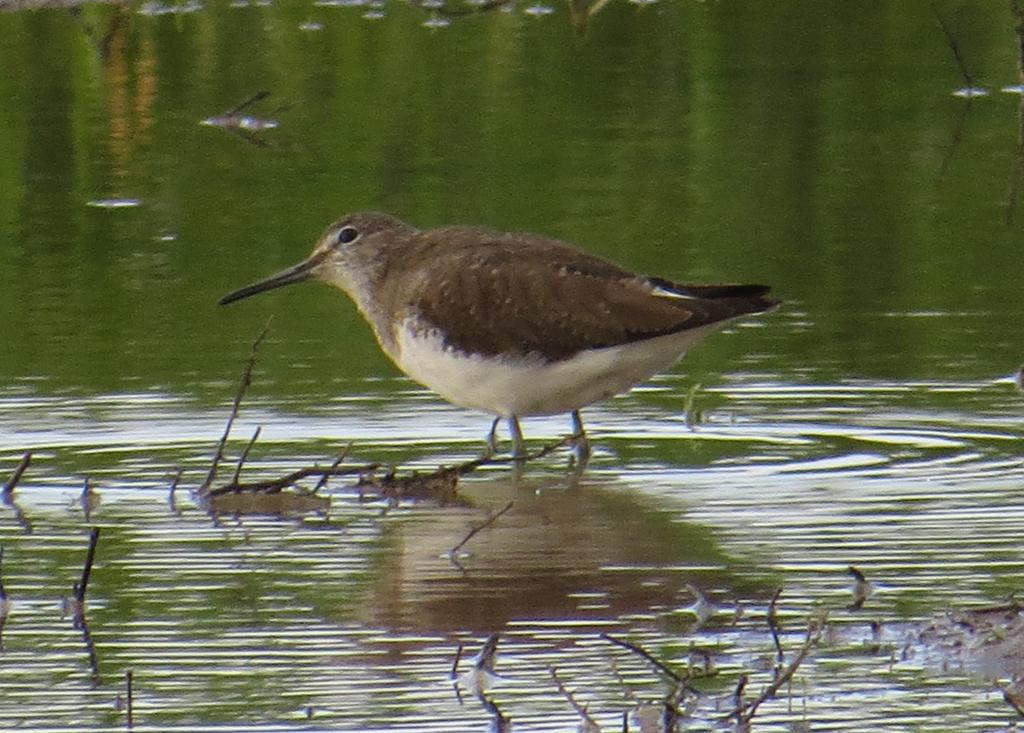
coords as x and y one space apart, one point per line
128 674
500 723
90 556
337 462
683 680
455 663
773 625
243 386
16 476
76 605
954 47
486 460
262 94
440 484
589 724
745 712
480 527
172 501
737 695
277 484
245 454
82 624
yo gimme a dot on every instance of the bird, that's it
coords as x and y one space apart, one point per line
513 324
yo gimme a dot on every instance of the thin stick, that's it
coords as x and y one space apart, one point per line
469 466
174 487
3 591
955 48
245 454
657 663
745 713
16 476
773 624
337 462
500 724
737 695
128 694
82 624
272 485
581 710
454 674
242 387
263 94
82 585
472 533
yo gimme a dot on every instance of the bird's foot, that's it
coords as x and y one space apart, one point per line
491 448
518 443
579 442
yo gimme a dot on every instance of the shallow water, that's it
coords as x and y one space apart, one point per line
354 616
869 422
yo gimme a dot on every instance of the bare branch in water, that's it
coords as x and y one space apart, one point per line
683 680
172 501
438 485
478 528
7 494
954 47
16 476
745 713
737 695
589 724
262 94
773 625
337 462
82 585
130 720
455 663
245 454
270 486
242 387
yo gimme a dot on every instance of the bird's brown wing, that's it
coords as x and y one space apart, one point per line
516 295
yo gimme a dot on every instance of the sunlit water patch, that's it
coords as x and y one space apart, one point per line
349 617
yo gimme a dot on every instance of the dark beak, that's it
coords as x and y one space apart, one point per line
298 273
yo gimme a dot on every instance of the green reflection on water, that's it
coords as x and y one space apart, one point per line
813 146
804 145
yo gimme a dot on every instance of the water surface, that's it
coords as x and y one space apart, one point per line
814 146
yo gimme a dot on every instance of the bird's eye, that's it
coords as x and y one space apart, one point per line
347 235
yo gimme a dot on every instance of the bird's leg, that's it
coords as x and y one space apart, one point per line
492 439
518 444
580 444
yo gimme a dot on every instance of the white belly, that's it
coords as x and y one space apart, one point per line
530 385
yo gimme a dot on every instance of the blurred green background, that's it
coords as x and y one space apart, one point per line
814 146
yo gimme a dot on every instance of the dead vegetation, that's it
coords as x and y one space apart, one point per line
238 495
